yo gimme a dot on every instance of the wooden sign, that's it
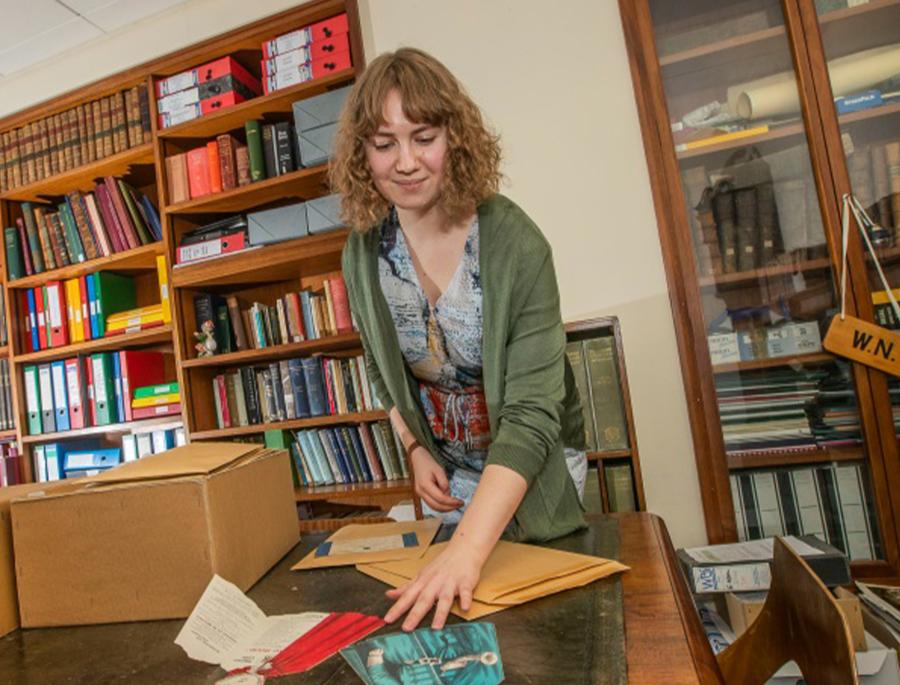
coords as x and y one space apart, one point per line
864 342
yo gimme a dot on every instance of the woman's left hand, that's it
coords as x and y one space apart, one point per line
454 573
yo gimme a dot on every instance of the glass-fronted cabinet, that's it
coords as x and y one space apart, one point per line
787 439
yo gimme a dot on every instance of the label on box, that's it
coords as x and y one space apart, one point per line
179 100
289 77
779 342
173 84
806 338
180 116
289 60
723 348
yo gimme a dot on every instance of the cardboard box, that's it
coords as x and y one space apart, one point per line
743 608
142 541
9 606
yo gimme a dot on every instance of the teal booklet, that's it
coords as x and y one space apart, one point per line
463 654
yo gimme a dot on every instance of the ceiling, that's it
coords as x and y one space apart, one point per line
32 31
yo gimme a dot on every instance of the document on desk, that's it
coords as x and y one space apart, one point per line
513 574
227 628
751 550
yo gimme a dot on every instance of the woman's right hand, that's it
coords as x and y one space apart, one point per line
431 482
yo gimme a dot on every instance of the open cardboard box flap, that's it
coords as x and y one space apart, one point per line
196 459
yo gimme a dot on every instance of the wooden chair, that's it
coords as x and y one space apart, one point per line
801 622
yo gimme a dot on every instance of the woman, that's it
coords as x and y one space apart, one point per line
455 296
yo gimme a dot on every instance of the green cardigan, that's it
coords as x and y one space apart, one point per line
533 405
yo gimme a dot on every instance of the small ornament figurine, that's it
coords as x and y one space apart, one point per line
206 343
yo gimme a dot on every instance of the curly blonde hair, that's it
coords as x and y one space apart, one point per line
430 95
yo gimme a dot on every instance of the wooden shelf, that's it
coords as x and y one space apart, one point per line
83 177
160 334
235 117
608 455
304 184
139 259
325 492
7 434
306 348
266 264
773 362
314 422
792 457
741 278
145 424
787 130
4 350
763 40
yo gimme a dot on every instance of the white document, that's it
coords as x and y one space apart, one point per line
227 628
753 550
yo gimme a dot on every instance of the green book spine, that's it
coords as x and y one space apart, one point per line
222 331
609 415
255 150
154 390
114 294
104 390
34 243
70 234
136 218
15 268
281 440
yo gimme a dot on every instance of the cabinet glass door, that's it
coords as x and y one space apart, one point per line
791 431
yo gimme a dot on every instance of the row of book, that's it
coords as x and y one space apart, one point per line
359 453
768 410
97 390
831 501
875 180
114 218
10 464
96 305
307 53
596 368
74 137
7 411
87 457
292 389
295 317
786 339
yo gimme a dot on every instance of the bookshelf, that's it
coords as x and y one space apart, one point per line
262 273
596 354
751 238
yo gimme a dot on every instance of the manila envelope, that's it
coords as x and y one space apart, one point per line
370 543
514 574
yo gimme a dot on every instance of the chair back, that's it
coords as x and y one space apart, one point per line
800 621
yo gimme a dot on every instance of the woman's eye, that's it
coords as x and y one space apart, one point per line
425 141
381 147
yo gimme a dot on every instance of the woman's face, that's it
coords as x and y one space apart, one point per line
407 158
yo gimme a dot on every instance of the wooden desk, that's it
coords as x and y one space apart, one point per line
664 642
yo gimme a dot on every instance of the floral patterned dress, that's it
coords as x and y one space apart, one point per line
441 344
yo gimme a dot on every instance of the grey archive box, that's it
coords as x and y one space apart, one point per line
275 225
324 214
315 144
319 110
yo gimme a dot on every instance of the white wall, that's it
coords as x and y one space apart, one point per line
555 83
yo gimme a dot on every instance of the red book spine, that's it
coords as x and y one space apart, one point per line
161 410
342 318
41 317
329 385
110 220
127 227
57 323
77 400
23 307
198 172
26 253
223 401
294 303
212 163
